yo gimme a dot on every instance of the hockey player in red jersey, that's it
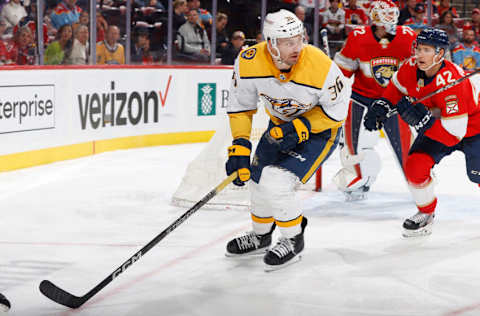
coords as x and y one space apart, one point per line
372 54
453 122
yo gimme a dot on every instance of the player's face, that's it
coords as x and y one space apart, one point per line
290 49
425 55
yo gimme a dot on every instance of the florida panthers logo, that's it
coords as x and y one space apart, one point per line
383 69
286 107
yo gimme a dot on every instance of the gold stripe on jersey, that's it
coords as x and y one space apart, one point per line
262 220
322 155
241 124
319 121
293 222
311 69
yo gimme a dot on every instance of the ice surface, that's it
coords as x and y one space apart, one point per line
74 222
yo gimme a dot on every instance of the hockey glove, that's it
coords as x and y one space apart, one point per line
239 160
377 114
416 115
290 134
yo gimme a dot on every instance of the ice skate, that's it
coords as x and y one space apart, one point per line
286 251
249 244
418 225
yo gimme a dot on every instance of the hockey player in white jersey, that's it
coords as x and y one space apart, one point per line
306 96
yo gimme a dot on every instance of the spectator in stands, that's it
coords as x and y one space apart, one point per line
300 12
476 22
31 21
309 5
222 37
334 20
141 49
193 39
3 48
180 9
110 51
466 54
234 47
407 12
79 53
13 12
418 21
445 6
66 12
446 23
150 3
354 14
205 16
21 50
59 50
102 24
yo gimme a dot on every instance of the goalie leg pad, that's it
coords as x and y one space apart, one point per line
358 174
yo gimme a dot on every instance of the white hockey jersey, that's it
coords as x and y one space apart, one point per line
314 88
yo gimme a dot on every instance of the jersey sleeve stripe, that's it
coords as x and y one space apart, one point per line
397 84
345 62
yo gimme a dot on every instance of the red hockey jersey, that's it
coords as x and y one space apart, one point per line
373 62
457 106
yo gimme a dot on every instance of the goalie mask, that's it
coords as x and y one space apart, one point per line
281 24
384 13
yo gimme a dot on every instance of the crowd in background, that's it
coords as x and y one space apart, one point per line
237 24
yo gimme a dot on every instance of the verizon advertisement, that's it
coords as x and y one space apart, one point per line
44 108
27 108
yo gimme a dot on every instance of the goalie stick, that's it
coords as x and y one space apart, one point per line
431 94
62 297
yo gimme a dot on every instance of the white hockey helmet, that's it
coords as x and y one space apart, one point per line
384 13
281 24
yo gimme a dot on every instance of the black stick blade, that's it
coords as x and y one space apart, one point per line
60 296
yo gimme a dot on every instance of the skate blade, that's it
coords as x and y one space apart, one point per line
271 268
424 231
255 253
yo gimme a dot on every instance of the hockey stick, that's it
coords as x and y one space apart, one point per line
324 34
431 94
62 297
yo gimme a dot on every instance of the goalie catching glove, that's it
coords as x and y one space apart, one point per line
416 115
289 135
239 160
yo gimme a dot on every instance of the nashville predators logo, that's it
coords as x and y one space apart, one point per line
249 53
383 69
286 107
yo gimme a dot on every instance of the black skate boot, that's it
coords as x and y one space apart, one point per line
286 251
249 244
417 225
4 303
